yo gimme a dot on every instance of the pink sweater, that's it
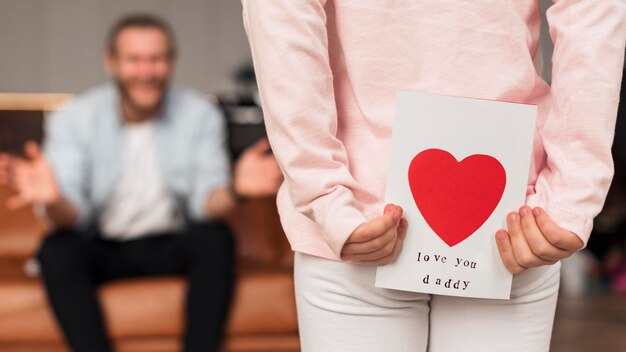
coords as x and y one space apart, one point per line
328 72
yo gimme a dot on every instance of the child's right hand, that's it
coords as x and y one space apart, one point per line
378 241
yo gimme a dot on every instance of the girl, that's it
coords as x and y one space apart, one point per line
328 72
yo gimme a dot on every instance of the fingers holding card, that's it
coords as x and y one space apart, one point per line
457 167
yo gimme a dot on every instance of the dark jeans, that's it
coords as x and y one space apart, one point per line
73 267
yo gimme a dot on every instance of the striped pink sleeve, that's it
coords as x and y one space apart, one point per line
589 39
289 47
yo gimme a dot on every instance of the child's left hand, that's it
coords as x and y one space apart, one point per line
534 239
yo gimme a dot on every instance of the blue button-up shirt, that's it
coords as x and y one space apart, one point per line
84 145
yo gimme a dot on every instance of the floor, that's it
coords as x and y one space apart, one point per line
595 323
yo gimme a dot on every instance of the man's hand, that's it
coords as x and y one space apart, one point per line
32 178
378 241
534 239
256 172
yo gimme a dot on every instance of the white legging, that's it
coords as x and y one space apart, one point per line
339 309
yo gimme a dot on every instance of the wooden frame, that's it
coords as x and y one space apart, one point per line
32 101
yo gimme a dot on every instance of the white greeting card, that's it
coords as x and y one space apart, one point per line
457 167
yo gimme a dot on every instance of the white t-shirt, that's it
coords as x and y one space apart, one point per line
141 204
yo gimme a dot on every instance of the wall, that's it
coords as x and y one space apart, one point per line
56 46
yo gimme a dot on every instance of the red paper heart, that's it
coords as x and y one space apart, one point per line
455 198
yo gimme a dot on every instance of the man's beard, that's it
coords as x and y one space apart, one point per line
140 109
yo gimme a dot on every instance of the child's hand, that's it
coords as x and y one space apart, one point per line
378 241
534 239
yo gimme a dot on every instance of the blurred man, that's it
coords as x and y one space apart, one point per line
135 176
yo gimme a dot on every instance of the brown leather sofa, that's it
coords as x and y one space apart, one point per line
146 314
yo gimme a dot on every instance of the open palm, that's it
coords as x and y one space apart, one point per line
257 173
32 178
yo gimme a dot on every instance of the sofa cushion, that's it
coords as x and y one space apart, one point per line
264 303
20 230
